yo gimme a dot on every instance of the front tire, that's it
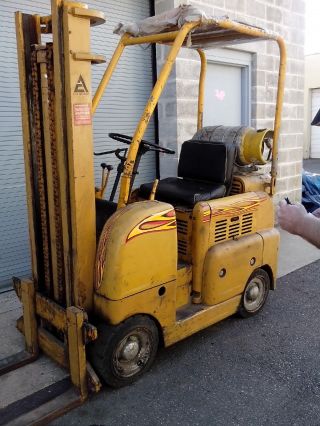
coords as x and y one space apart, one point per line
255 293
124 352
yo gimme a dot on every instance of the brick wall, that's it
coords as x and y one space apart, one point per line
178 105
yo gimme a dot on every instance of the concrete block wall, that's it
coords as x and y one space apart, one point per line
178 105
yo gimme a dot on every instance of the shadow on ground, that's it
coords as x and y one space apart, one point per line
259 371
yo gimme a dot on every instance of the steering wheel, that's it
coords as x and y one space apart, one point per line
127 140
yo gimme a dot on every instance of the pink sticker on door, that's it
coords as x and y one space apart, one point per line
220 94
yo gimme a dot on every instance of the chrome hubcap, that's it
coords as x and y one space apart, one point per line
254 294
130 349
132 353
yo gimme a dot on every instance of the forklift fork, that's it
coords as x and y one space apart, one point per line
31 352
70 353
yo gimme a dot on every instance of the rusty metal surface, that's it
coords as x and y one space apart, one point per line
55 178
42 180
16 361
42 406
40 189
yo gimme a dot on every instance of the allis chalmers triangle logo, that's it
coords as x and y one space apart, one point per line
81 87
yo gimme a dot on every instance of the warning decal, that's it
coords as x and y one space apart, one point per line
82 114
81 87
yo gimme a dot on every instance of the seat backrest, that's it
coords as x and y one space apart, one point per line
207 161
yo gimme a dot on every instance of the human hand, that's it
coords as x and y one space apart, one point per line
316 213
291 217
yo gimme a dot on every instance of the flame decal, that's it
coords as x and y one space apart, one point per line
239 207
206 215
163 221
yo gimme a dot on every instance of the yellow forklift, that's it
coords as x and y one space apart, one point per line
111 281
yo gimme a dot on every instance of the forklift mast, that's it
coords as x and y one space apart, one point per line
55 87
55 84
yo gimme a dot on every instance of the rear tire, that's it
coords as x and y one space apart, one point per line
122 353
255 293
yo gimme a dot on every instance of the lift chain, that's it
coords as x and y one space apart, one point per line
40 189
55 178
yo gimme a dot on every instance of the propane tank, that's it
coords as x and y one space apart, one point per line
252 144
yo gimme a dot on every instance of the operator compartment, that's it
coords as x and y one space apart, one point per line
204 173
218 162
254 151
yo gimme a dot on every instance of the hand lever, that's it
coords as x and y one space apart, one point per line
154 189
104 179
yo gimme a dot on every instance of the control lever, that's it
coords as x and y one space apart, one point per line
154 189
113 151
104 179
120 169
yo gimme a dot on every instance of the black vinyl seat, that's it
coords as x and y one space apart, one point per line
204 170
175 190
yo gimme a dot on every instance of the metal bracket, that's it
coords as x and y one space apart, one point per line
83 56
96 17
90 333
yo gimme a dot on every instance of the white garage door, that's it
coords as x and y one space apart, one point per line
315 131
119 112
227 88
222 95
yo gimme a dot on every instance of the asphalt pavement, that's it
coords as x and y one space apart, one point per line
258 371
312 165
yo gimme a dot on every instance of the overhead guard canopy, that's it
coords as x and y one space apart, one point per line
212 31
189 27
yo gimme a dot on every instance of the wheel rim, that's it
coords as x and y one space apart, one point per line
132 353
255 294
